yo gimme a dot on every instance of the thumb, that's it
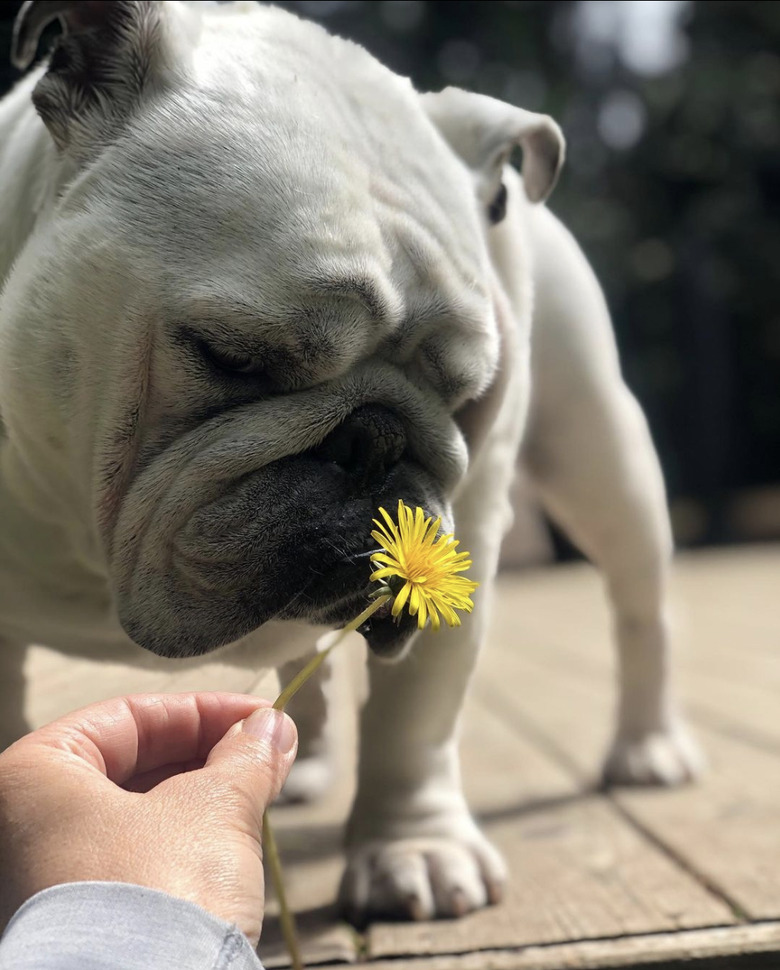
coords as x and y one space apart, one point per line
254 758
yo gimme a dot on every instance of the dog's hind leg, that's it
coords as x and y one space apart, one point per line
589 451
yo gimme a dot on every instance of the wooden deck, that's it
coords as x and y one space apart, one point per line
636 878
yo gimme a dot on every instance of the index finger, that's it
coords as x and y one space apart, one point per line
127 736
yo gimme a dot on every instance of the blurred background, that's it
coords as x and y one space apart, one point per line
671 111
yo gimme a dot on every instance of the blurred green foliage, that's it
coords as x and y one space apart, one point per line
672 116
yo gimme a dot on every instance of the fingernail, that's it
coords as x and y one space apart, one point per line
272 726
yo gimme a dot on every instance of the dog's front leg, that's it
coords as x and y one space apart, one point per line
414 849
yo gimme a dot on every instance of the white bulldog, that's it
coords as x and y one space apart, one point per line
255 286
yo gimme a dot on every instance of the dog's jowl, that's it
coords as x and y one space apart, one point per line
255 286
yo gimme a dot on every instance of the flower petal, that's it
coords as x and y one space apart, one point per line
450 616
401 598
391 526
383 573
422 616
435 621
383 557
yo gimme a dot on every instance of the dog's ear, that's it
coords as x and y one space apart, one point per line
484 131
110 51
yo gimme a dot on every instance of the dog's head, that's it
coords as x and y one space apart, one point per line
266 302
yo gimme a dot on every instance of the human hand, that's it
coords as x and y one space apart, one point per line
164 791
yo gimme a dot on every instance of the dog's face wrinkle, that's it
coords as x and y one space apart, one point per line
258 329
320 342
356 287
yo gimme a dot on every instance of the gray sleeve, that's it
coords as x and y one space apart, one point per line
116 926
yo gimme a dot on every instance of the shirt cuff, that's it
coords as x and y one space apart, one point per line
118 926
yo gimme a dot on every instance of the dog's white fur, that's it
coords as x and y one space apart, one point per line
72 358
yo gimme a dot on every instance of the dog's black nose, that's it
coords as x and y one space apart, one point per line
366 445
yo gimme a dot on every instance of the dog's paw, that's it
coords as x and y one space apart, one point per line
309 779
666 757
421 878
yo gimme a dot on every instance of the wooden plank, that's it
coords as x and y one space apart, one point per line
736 586
58 683
729 670
755 947
725 828
578 869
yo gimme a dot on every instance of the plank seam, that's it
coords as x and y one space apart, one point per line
681 934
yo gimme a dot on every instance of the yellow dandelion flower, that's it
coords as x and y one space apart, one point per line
427 566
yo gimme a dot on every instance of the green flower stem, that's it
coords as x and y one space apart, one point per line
300 679
286 918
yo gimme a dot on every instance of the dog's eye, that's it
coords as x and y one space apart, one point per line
231 361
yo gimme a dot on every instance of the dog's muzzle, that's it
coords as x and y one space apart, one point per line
262 514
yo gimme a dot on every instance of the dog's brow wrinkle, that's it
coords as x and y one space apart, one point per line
353 286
